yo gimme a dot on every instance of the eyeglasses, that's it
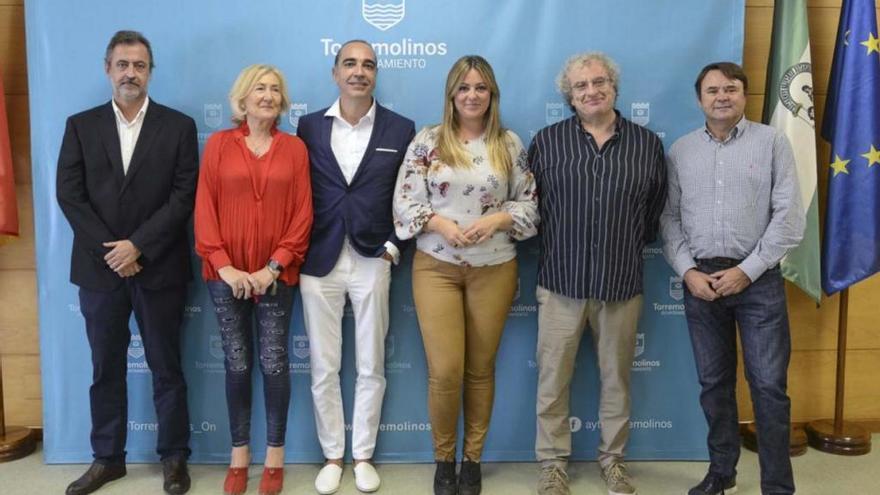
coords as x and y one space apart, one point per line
598 84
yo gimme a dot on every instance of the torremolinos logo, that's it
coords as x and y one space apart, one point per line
301 354
215 350
383 15
394 365
640 112
676 293
136 361
297 110
407 53
640 363
213 115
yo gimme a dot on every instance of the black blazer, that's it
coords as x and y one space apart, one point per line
360 210
150 205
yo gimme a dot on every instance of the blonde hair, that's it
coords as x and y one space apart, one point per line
244 84
449 148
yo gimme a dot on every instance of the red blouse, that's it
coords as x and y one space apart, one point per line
251 209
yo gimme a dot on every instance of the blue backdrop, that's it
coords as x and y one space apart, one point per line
199 48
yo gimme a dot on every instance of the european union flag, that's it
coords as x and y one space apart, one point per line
851 247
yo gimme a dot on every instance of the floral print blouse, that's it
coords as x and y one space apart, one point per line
426 186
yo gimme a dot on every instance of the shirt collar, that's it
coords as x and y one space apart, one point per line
618 124
735 133
121 117
246 130
336 112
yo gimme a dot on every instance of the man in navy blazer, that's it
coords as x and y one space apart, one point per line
355 148
126 183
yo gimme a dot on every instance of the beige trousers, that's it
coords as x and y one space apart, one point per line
561 323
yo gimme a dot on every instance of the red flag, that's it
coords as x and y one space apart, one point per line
8 207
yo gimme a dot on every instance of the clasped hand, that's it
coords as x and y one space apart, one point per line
481 230
244 284
711 286
123 257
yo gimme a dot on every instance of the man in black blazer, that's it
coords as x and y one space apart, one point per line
126 183
355 149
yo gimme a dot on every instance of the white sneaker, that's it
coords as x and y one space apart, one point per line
366 479
328 479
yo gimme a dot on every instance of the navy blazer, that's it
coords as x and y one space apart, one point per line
360 210
150 205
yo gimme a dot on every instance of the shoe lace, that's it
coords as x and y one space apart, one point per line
616 473
553 477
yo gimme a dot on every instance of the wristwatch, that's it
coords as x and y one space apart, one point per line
274 266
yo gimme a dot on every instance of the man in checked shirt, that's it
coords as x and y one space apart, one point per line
733 211
601 187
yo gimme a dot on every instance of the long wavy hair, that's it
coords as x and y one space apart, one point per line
449 147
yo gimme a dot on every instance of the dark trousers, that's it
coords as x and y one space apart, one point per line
235 320
159 314
761 314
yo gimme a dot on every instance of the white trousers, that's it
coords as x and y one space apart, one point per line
367 282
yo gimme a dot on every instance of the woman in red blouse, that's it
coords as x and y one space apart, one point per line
252 220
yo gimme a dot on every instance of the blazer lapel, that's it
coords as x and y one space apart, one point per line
375 136
152 122
110 138
326 129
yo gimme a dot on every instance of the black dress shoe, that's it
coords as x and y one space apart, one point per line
95 477
713 484
177 479
444 479
470 479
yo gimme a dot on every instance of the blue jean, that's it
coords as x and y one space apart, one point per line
235 320
760 311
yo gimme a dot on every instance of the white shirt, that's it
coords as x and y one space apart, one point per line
129 131
349 144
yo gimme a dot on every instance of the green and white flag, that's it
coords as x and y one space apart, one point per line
789 107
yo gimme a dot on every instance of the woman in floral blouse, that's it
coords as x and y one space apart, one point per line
465 192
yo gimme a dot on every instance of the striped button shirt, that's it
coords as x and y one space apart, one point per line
598 207
734 199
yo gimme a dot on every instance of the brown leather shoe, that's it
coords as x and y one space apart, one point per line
95 477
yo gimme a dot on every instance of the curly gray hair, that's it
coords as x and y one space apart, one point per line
580 60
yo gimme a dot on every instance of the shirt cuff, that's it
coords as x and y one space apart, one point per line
683 263
283 257
393 251
219 259
753 267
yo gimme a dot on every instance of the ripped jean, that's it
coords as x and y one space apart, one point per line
235 320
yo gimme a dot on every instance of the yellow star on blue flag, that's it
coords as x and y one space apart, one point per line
873 156
839 166
851 246
872 43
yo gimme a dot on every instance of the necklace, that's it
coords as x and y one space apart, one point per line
258 148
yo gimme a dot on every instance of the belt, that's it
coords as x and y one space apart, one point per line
719 261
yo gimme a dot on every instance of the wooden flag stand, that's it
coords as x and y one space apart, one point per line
15 442
797 445
838 436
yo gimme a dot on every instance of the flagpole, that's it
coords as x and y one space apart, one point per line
15 441
839 436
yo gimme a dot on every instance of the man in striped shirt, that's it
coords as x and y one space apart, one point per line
733 212
601 186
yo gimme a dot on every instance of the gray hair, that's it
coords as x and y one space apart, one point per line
580 60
